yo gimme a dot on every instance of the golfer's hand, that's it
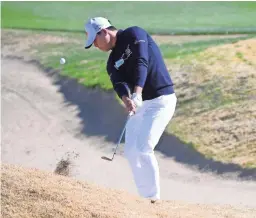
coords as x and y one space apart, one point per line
129 104
137 99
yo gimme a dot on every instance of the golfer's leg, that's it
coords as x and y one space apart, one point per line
131 153
155 119
131 132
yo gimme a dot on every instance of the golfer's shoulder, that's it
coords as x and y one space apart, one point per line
134 29
134 32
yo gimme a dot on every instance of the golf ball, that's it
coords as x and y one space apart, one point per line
62 61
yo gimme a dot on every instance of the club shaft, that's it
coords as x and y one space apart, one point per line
121 136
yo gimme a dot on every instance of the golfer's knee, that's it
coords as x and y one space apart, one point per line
145 147
131 151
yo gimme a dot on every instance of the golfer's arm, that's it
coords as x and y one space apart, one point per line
140 60
118 84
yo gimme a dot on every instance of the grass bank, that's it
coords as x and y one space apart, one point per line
217 109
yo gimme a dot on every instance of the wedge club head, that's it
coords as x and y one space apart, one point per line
106 158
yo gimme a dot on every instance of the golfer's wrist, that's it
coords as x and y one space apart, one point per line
125 98
138 90
137 99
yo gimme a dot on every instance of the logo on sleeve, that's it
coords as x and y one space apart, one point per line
138 41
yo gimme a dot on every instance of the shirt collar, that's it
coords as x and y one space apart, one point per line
118 37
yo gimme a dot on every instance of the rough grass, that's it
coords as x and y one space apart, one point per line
214 80
217 110
24 195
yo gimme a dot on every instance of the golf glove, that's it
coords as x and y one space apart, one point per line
137 99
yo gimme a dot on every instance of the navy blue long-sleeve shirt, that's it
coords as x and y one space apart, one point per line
137 61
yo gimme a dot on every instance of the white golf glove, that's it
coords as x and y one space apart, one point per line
137 99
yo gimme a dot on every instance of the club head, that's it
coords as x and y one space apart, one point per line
106 158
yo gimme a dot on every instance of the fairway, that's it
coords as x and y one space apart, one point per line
156 17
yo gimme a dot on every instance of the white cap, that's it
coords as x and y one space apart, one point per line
93 26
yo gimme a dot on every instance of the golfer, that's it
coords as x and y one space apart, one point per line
135 61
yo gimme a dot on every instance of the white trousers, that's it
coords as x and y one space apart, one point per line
143 132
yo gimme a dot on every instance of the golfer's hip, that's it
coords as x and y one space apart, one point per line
162 101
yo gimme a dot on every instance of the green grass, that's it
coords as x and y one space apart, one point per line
89 66
156 17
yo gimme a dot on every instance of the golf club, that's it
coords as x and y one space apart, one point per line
119 140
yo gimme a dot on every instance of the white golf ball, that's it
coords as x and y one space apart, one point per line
62 61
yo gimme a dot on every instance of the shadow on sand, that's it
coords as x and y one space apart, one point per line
102 115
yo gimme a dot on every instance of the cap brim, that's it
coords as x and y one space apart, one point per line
90 40
89 46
